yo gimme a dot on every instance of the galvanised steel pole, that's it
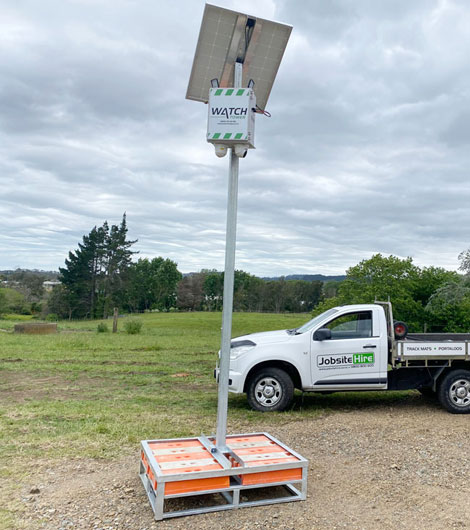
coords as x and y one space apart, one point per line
229 275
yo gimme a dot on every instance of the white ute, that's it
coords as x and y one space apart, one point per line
350 348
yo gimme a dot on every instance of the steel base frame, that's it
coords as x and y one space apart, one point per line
235 471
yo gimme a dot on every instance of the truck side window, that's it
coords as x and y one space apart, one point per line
351 326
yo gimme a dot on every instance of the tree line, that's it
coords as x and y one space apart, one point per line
203 291
102 274
428 299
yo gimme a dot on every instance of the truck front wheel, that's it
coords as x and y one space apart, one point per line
454 392
270 389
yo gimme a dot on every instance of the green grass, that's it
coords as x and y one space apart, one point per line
83 392
13 318
89 394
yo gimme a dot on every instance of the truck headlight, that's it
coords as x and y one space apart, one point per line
240 347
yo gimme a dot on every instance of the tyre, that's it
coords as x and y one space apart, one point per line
400 329
454 392
270 389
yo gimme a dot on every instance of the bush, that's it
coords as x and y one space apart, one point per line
12 301
102 327
52 317
133 327
36 307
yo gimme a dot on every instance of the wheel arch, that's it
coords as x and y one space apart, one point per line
283 365
456 365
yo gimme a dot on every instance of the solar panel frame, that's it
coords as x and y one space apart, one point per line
220 38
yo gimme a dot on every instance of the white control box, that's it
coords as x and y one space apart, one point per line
231 116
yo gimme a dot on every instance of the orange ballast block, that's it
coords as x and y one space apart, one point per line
185 456
201 484
260 450
268 477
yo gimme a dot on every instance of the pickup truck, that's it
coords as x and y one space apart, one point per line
350 348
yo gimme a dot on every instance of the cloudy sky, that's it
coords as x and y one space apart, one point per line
367 149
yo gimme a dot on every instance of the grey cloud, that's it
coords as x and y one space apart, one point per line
365 151
458 132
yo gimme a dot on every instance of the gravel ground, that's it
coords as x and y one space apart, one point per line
404 466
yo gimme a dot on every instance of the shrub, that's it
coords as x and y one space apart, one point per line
52 317
133 327
36 307
102 327
12 301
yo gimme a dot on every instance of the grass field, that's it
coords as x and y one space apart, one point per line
83 393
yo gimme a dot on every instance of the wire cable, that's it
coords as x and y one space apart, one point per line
262 111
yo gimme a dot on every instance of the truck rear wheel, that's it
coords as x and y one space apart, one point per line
270 389
454 392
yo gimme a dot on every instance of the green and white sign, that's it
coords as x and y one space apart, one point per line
351 360
363 358
231 116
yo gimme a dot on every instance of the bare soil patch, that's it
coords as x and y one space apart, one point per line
394 467
18 387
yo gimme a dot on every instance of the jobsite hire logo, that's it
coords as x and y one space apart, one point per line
229 112
345 361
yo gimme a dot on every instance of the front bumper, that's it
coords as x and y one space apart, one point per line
235 381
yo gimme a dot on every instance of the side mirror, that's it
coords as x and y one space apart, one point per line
322 334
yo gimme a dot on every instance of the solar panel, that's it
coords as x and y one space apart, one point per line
227 36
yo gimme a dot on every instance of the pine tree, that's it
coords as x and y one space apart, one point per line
94 275
116 261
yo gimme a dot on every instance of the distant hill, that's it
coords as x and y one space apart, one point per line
305 277
309 278
16 273
53 275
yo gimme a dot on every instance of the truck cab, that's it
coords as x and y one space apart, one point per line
345 346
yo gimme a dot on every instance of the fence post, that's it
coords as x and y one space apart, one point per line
115 319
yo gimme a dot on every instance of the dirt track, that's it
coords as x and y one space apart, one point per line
379 466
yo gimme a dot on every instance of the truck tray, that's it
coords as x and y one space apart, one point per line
428 350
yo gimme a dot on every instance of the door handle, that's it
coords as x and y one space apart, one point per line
370 346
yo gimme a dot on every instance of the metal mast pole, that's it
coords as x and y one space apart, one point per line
229 275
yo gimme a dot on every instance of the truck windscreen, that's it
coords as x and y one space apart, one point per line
312 323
